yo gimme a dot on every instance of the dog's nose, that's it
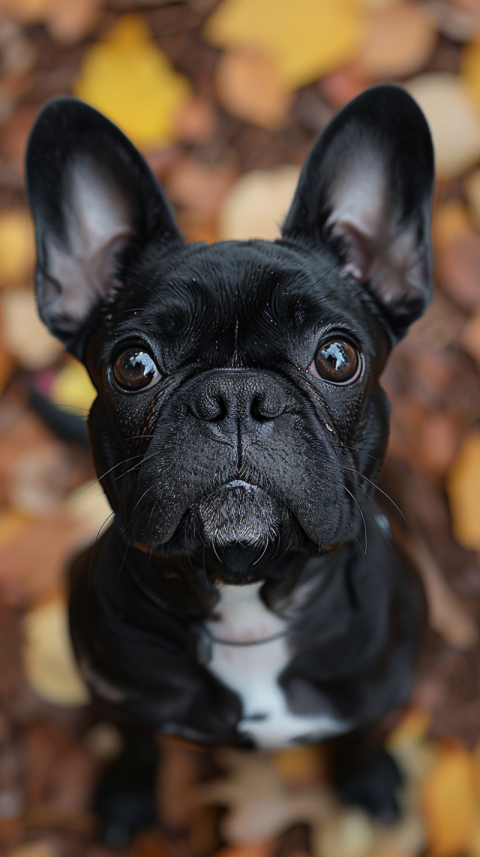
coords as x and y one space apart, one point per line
226 395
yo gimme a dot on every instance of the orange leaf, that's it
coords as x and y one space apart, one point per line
450 808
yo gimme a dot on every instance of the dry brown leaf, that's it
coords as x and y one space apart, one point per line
195 121
308 39
449 805
471 188
457 248
249 85
24 335
199 187
463 486
41 848
129 79
70 22
33 556
446 613
453 118
343 85
398 41
257 204
470 338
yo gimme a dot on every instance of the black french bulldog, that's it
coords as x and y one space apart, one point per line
248 591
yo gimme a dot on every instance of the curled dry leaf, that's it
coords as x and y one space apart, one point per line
463 487
249 85
457 143
308 39
257 204
129 79
49 662
399 40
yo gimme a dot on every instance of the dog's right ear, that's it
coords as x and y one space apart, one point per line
93 199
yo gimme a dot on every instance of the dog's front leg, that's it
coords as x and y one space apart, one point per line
366 774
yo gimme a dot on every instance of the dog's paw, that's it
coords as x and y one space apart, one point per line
374 785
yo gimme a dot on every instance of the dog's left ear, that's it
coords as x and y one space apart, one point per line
95 204
366 190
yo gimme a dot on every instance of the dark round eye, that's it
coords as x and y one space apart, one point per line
336 361
134 369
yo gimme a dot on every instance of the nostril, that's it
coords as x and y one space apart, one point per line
264 408
211 407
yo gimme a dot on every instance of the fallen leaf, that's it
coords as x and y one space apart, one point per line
350 834
129 79
33 556
72 389
463 487
308 39
24 335
50 666
257 204
457 248
343 85
470 337
449 805
42 848
471 187
457 143
398 41
200 187
17 246
70 22
195 121
249 85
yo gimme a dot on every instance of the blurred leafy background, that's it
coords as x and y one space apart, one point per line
224 99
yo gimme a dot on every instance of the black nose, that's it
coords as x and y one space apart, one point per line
239 395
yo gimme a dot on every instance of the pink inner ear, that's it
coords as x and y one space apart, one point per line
360 257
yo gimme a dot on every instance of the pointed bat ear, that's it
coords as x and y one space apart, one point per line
95 202
366 190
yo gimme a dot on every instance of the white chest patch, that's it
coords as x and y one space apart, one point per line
252 670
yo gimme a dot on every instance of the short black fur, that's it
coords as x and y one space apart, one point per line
239 463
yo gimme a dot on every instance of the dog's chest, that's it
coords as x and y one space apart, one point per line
249 651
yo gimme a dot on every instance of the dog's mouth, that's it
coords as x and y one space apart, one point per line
239 513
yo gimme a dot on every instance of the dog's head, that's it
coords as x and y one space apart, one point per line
238 399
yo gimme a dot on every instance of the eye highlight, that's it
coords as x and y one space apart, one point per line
134 369
336 361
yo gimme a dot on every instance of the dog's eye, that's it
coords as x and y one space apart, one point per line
135 369
336 361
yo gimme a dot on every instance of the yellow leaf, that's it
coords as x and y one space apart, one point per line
48 657
463 488
470 68
17 246
130 80
450 808
307 38
73 390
